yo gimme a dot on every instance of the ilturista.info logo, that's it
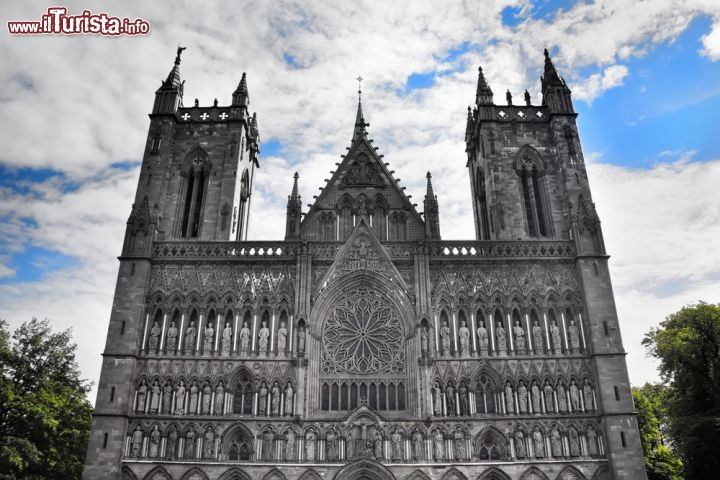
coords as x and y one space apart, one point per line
57 22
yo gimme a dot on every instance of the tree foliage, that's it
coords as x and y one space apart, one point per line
661 461
45 417
687 344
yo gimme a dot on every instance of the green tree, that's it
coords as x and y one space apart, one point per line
687 344
661 461
45 417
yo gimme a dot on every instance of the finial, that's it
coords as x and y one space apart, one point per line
545 51
296 176
428 176
359 80
179 52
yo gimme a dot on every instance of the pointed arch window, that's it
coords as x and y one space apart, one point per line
380 218
484 395
482 206
398 226
532 194
327 227
195 184
346 217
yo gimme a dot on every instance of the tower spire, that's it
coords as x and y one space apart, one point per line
359 131
484 95
294 212
432 213
550 75
169 96
241 97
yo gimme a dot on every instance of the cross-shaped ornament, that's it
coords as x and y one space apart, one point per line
223 116
205 116
359 79
185 116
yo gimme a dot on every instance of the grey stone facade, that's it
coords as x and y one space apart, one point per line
362 346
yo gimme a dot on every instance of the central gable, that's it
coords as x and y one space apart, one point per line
362 185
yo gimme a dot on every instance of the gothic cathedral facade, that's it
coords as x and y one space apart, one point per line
362 346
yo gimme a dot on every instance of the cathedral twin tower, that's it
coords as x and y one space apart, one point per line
362 346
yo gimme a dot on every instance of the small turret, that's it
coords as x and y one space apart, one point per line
556 94
240 97
168 98
432 213
294 212
484 95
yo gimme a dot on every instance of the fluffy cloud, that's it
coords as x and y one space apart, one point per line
711 42
597 83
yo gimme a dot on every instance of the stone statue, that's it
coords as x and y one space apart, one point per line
172 442
206 398
463 394
450 399
331 446
527 98
508 97
190 335
520 444
208 338
275 403
155 397
301 340
290 445
349 445
310 446
501 339
281 339
194 393
538 338
190 445
556 443
167 398
424 341
445 339
180 399
377 446
154 447
209 444
136 442
592 442
561 398
549 400
226 340
396 439
522 393
519 334
141 395
219 398
574 396
289 393
154 341
509 399
574 442
262 399
459 445
536 403
438 446
244 339
555 336
588 396
464 335
263 336
538 445
574 336
437 400
267 445
483 338
172 334
418 447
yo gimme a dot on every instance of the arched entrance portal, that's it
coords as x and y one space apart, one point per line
364 469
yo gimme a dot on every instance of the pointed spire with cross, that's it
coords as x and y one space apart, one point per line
359 131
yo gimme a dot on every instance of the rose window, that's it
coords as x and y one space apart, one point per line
362 335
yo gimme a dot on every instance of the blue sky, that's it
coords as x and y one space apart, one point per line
645 80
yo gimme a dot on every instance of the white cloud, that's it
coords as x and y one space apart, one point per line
711 42
597 83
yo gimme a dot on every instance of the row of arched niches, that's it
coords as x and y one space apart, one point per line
366 469
267 328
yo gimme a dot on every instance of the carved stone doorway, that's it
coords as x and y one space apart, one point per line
364 469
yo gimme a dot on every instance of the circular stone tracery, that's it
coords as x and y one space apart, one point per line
362 335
